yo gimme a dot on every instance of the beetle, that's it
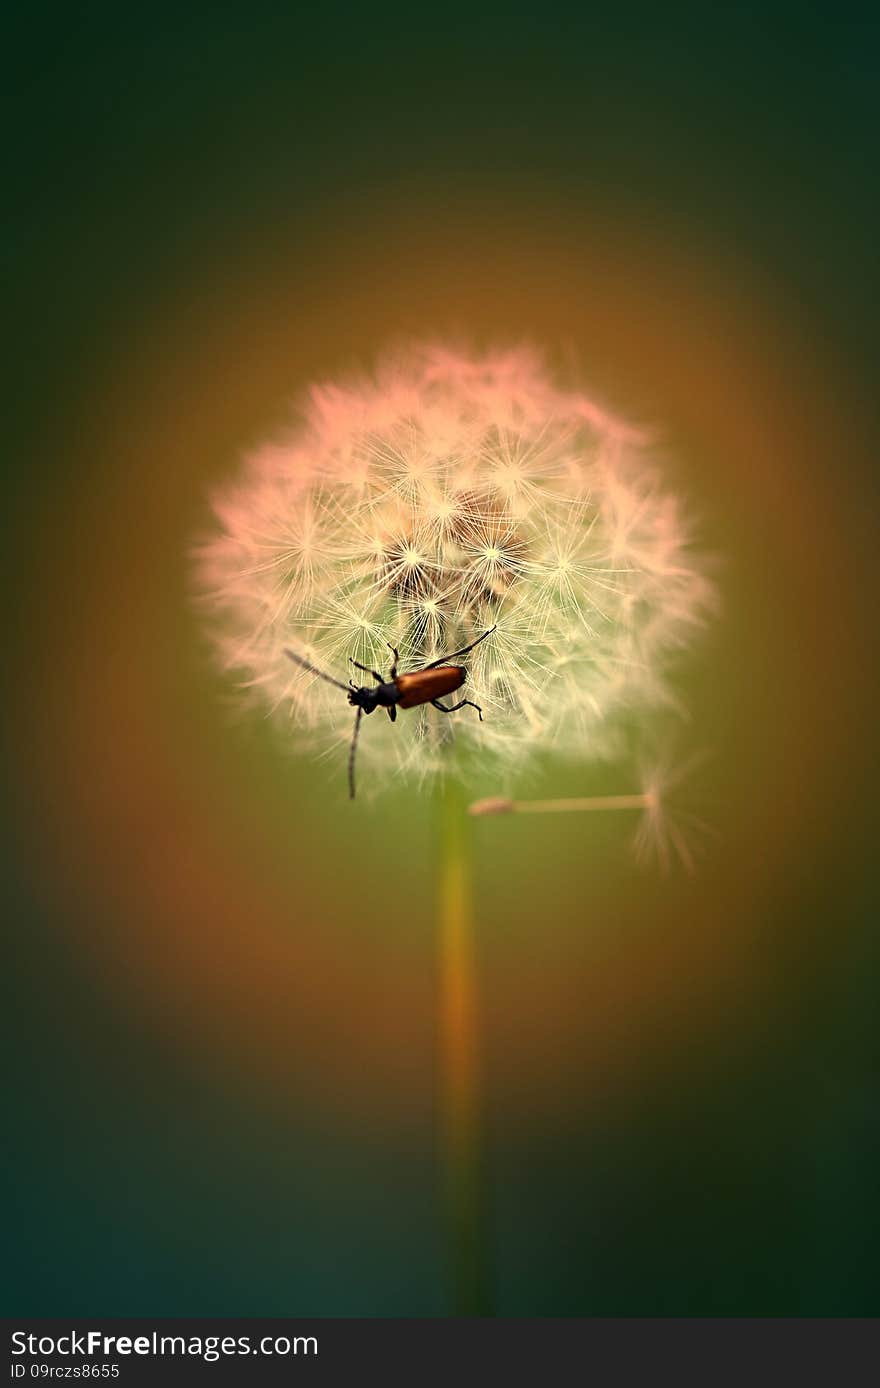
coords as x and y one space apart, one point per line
409 690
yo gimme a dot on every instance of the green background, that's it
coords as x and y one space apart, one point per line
222 977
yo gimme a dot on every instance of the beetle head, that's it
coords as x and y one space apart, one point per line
361 696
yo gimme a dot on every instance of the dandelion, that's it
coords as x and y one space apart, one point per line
446 494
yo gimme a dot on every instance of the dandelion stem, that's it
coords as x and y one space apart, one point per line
460 1127
591 802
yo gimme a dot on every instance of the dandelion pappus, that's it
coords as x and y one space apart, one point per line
409 690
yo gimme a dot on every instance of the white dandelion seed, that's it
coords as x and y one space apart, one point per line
444 495
668 830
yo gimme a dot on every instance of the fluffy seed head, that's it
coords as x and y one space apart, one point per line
420 506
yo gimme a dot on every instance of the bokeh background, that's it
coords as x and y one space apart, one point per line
222 976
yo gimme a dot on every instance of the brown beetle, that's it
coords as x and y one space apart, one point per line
425 686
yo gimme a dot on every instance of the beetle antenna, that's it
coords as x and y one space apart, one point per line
351 754
464 650
307 665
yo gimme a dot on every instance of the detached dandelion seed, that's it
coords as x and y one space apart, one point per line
667 830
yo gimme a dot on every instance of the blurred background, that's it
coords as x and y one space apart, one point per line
222 976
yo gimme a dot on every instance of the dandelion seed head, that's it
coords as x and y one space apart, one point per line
447 493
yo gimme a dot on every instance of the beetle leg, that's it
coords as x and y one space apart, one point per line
392 711
367 671
394 651
435 703
445 659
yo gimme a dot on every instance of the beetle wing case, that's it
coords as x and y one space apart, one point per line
424 685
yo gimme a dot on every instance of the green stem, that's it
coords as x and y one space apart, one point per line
461 1138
